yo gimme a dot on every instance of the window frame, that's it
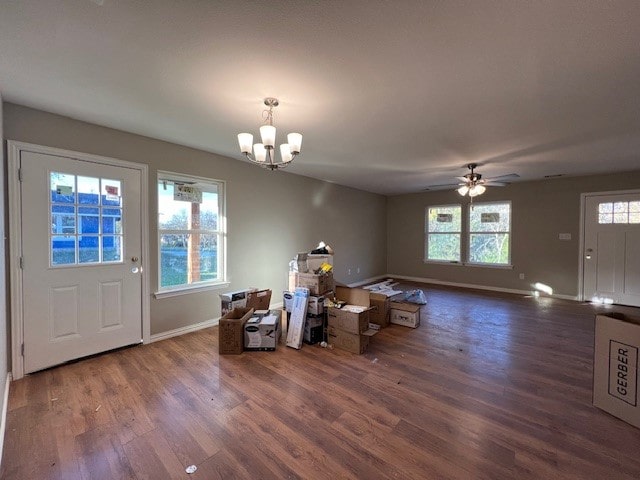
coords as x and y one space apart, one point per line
465 236
220 233
469 233
428 235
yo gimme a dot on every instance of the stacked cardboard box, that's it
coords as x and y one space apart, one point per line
262 331
247 298
348 327
231 331
317 284
380 311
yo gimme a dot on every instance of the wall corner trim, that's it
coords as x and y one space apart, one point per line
3 423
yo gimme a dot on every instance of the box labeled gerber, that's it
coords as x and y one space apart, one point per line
615 366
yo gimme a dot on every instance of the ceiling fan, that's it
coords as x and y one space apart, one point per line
473 184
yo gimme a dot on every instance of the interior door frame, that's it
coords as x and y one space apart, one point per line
583 206
14 150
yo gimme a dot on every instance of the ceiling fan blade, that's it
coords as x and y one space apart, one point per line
442 187
462 179
495 184
503 177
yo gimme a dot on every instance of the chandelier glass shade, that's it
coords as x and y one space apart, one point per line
264 153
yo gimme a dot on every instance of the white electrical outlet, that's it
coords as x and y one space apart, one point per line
348 271
522 276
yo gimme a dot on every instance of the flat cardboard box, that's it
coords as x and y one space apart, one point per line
380 312
231 331
615 366
351 342
259 299
317 284
406 314
262 333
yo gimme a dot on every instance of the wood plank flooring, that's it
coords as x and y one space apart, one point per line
490 386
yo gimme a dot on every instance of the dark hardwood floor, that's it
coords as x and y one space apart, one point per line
491 386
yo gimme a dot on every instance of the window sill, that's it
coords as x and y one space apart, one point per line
192 289
474 265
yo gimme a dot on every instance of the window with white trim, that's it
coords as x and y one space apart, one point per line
191 233
482 236
490 233
444 226
619 212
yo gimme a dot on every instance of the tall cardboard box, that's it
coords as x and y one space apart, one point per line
615 366
406 314
231 331
380 311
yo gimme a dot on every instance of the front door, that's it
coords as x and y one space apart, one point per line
81 244
611 260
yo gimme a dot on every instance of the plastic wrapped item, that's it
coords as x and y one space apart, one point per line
415 296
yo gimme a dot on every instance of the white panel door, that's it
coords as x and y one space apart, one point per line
611 262
81 244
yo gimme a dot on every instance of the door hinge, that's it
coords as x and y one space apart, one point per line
21 263
20 174
22 349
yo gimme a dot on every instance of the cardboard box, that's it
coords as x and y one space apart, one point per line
231 331
315 305
354 316
262 333
287 301
407 314
380 311
317 284
615 366
348 321
235 299
259 299
314 261
313 329
351 342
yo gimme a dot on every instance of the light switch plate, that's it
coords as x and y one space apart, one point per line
564 236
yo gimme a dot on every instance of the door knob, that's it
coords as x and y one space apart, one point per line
134 259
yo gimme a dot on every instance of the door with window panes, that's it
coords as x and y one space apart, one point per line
611 250
81 243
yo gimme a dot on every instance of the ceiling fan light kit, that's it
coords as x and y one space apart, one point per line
263 153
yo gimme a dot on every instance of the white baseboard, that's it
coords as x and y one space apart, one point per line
477 287
196 326
367 281
182 330
3 424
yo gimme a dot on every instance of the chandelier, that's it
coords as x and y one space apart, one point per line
263 153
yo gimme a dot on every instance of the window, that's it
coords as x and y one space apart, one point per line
190 231
489 233
619 212
484 234
443 233
86 220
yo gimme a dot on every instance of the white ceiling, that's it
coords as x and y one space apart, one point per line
391 96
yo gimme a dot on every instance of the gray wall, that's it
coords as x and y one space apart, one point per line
271 215
540 211
4 327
